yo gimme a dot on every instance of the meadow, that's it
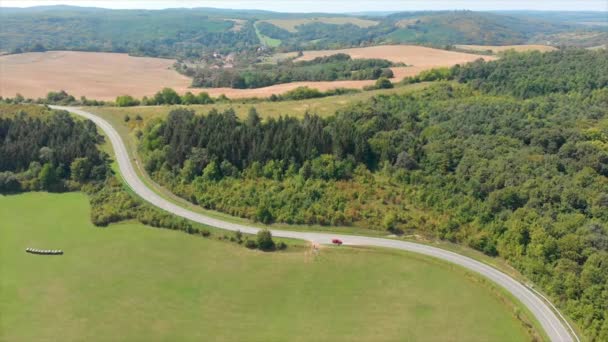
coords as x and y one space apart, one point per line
129 282
324 106
292 23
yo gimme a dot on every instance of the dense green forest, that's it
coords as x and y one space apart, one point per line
47 150
521 174
329 68
192 34
45 154
557 72
169 33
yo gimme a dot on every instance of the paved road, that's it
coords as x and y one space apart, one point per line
554 327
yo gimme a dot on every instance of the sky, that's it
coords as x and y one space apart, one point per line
334 6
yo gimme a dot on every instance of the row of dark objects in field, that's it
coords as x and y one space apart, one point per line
44 251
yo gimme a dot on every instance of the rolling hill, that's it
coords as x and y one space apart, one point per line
194 33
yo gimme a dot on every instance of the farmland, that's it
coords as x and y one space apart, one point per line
103 76
132 282
418 58
408 54
95 75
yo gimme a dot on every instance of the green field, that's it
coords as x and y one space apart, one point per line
129 282
324 106
292 23
265 40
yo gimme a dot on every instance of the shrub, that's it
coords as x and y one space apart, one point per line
389 222
9 182
263 214
126 101
251 244
265 241
383 83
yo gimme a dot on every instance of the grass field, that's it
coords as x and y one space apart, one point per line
324 106
291 24
265 40
131 282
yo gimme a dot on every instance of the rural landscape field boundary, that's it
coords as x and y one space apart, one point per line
553 326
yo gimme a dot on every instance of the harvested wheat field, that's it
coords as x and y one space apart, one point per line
497 49
417 56
101 76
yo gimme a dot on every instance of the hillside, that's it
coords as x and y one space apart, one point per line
194 33
466 27
168 33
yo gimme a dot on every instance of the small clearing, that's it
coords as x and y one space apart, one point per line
292 24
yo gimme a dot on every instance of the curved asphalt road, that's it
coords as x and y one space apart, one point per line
553 326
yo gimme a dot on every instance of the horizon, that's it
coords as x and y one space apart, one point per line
336 6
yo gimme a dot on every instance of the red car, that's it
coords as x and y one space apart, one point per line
336 242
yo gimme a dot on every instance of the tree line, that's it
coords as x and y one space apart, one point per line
49 154
168 96
329 68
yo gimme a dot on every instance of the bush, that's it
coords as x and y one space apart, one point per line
383 83
126 101
9 182
390 221
251 244
263 214
265 241
281 245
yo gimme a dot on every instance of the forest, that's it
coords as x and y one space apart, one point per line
330 68
184 33
519 174
48 154
47 150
